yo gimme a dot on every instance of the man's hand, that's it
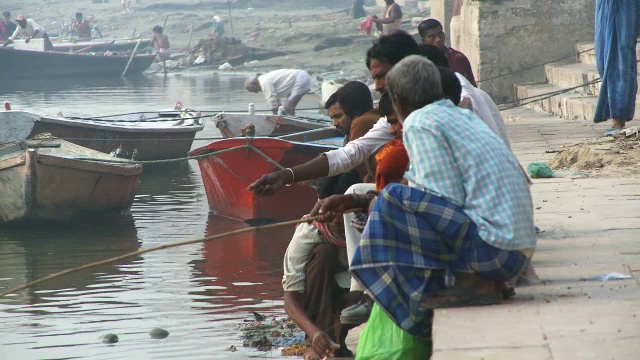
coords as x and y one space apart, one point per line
270 184
322 345
336 205
27 40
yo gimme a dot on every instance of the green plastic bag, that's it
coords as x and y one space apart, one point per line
539 170
382 339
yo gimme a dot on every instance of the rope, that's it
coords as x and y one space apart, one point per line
535 66
200 111
161 247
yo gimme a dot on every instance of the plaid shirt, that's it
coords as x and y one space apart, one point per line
453 154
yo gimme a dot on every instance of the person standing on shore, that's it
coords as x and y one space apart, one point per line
392 19
126 6
616 33
161 42
357 11
455 25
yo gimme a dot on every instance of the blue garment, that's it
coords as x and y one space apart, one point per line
617 28
411 239
453 154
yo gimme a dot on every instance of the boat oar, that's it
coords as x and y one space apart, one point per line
161 247
133 54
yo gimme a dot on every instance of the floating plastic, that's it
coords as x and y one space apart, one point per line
225 66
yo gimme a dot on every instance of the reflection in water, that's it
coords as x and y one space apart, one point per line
199 293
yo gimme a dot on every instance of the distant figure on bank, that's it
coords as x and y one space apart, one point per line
3 32
432 33
161 43
218 26
617 29
30 30
291 84
126 6
83 27
9 25
357 11
392 19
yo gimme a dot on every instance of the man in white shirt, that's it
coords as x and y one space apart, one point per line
30 30
290 84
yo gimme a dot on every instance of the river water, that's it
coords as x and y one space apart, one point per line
200 293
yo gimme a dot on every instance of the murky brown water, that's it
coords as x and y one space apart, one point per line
199 293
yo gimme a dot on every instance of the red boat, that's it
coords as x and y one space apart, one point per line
227 175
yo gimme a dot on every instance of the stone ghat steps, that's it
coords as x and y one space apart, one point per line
589 57
577 104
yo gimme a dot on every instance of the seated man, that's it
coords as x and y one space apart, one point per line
30 30
284 83
316 280
432 33
351 110
465 210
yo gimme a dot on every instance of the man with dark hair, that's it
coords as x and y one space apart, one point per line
392 20
9 25
435 54
83 27
347 104
432 33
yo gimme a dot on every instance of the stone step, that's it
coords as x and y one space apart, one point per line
589 57
571 106
572 75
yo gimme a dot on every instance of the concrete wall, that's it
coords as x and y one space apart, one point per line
509 35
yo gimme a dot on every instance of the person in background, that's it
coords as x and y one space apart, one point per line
161 42
291 84
392 19
30 30
357 10
432 33
126 6
218 26
616 33
9 25
83 27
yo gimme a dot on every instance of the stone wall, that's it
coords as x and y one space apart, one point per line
503 36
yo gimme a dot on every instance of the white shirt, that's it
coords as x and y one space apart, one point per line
484 107
278 84
29 30
358 151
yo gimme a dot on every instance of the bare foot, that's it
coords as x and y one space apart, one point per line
618 124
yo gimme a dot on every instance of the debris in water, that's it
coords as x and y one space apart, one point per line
232 348
258 316
158 333
109 338
295 350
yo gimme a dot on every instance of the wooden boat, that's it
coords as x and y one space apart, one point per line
99 45
53 180
21 64
234 124
227 175
155 136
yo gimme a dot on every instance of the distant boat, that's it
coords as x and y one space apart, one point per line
99 45
54 180
227 175
153 136
23 64
234 124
